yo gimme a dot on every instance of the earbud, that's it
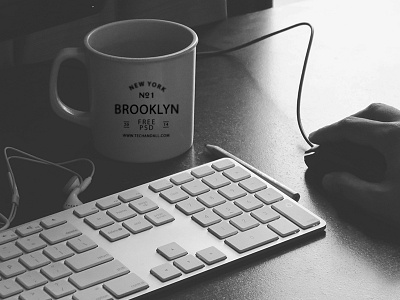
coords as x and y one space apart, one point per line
74 187
72 200
72 184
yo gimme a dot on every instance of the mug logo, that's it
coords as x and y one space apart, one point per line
149 84
146 91
144 109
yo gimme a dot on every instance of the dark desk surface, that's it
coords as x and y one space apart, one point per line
245 102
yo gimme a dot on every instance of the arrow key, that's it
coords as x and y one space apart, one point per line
165 272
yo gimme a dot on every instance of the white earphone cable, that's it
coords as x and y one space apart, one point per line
32 158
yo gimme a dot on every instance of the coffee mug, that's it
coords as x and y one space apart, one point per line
141 86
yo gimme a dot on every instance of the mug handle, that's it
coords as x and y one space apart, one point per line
59 107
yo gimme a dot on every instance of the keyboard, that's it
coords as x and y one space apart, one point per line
147 238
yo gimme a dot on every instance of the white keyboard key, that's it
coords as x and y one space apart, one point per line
81 243
28 229
202 171
295 213
190 206
211 255
121 213
250 239
98 274
143 205
98 220
32 279
283 227
85 210
223 165
11 268
181 178
9 251
236 173
195 188
88 259
107 203
227 210
60 288
252 184
34 260
137 224
7 236
222 230
174 195
114 232
160 185
9 288
216 180
35 294
244 222
129 195
58 252
206 218
93 293
165 272
52 222
269 196
248 203
60 233
125 285
188 263
159 217
56 271
265 214
171 251
31 243
232 192
211 199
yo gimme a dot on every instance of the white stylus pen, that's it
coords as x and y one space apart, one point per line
284 189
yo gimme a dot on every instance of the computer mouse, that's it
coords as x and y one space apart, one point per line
364 162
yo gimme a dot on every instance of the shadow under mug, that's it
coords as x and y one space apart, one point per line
141 86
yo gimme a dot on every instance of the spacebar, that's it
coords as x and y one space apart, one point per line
98 274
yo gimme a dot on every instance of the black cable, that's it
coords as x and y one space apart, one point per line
303 72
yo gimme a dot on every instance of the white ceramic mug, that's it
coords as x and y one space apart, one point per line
142 89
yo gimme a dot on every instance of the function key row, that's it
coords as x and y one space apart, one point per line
233 183
232 172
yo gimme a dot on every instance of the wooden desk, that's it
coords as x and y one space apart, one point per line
245 102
